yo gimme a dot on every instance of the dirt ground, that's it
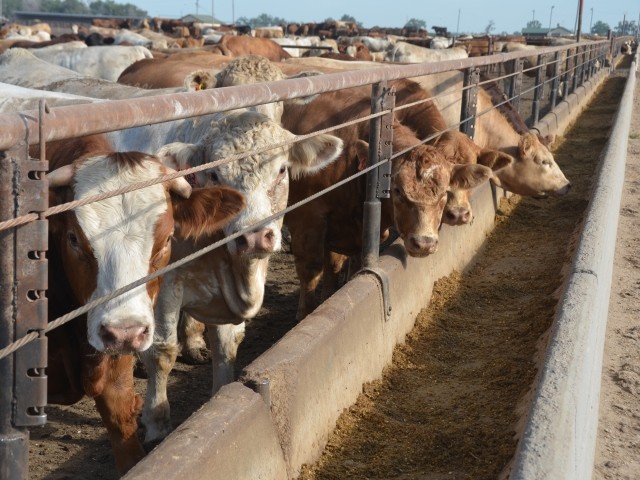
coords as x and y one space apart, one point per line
448 407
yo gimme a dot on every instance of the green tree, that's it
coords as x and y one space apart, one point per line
600 28
349 18
109 7
491 26
534 24
64 6
628 28
415 24
262 20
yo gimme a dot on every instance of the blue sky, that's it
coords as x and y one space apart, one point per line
475 15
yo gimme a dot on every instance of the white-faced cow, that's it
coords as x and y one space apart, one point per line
103 246
226 286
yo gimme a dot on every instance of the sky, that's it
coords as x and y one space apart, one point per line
473 15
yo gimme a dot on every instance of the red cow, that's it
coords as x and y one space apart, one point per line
102 246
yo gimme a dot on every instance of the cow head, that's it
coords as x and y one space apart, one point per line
263 178
533 172
108 244
419 183
459 149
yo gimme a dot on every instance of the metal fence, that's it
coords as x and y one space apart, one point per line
24 191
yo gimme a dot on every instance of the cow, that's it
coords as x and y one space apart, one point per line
20 67
420 181
226 287
236 46
403 52
105 245
106 62
20 99
172 70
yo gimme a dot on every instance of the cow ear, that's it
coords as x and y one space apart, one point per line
494 159
526 145
60 177
362 152
199 80
313 154
469 176
179 155
206 211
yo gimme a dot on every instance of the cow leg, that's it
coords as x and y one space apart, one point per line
160 359
109 380
307 245
224 341
193 348
334 264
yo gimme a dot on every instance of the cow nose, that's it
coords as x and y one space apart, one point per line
459 216
262 240
127 337
564 190
420 245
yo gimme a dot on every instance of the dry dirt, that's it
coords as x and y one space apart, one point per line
448 406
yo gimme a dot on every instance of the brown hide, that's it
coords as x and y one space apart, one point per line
333 221
236 46
169 71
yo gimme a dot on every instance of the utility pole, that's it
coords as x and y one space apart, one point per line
580 5
197 5
533 15
458 25
591 22
213 12
550 17
233 12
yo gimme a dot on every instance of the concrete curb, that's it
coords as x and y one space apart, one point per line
560 433
317 369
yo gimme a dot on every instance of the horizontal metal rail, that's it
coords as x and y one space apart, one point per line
86 119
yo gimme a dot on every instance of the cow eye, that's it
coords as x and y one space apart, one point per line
213 176
283 170
73 239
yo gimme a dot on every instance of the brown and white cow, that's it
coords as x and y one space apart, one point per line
102 246
226 286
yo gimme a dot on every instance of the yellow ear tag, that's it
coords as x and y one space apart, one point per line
200 86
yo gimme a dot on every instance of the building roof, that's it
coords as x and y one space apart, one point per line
199 18
550 32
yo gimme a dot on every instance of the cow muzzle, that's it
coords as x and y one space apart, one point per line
421 245
457 216
263 241
130 336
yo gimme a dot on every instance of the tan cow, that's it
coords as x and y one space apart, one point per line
538 172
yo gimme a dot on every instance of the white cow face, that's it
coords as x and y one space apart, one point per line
263 178
107 245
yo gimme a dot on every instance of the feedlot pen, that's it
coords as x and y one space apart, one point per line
478 436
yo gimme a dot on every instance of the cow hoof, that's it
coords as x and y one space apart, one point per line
195 356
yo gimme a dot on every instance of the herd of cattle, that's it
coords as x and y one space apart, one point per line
103 246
